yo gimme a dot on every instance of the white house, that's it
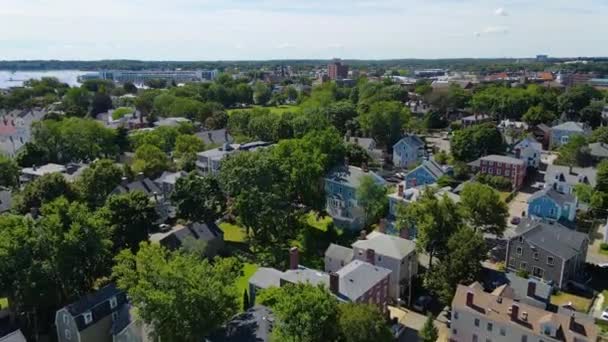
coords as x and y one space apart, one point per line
529 150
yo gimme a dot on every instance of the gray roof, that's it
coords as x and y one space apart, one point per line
387 245
15 336
170 177
365 143
543 127
577 175
520 287
254 325
530 142
553 237
266 277
6 200
502 159
337 252
145 185
215 137
432 167
412 140
306 275
570 126
98 303
555 195
352 176
44 169
358 277
477 117
198 231
599 150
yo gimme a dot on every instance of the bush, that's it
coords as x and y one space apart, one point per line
497 182
121 112
604 246
523 273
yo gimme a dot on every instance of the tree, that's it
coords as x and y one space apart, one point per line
98 180
384 121
484 208
181 297
592 114
9 172
261 93
537 115
187 145
43 190
246 305
130 88
574 153
357 155
371 196
199 199
362 323
304 312
602 177
76 102
599 134
131 217
578 97
341 113
435 219
429 332
101 103
473 142
466 250
150 160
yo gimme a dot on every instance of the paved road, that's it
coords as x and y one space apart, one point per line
593 255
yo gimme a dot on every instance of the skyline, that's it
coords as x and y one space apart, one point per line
211 30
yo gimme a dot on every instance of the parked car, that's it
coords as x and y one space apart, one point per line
422 303
605 315
516 220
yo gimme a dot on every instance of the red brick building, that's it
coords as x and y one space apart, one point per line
337 71
512 168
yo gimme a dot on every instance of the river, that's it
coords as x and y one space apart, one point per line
15 79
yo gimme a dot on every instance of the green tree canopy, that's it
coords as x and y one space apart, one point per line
473 142
98 180
429 332
538 115
9 172
371 196
43 190
484 208
385 121
362 323
150 160
199 199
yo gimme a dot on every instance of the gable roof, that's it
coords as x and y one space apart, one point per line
411 140
337 252
520 287
365 143
352 176
571 177
531 142
552 237
253 325
98 303
266 277
432 167
553 194
387 245
198 231
170 177
598 150
15 336
146 185
215 137
570 126
358 277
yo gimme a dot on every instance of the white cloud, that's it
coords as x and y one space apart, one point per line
501 12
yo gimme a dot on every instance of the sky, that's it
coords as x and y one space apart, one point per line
300 29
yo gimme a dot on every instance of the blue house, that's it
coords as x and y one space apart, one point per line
427 173
562 133
341 195
552 205
408 151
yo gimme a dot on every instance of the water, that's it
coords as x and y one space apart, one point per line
15 79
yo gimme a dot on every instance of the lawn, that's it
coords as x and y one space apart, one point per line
605 303
3 303
580 303
273 109
232 232
311 220
242 283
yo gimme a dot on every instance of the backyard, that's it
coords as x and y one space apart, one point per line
580 303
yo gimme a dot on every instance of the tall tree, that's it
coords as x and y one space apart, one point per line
537 115
150 160
43 190
362 323
182 297
484 208
371 196
429 332
473 142
384 121
261 93
98 180
9 172
199 199
602 177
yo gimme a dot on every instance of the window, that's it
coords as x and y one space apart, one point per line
523 266
521 239
68 334
65 319
454 332
499 172
113 302
507 173
535 255
537 272
524 338
547 330
503 332
519 251
491 170
88 317
483 169
490 326
474 338
476 322
550 261
114 316
455 314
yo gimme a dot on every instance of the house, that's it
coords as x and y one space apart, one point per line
551 204
216 137
564 178
529 291
369 145
208 233
70 171
542 134
358 281
341 186
598 151
14 336
511 168
547 251
480 317
6 200
562 133
163 207
253 325
208 162
171 122
476 119
408 151
16 129
92 317
166 182
9 327
528 150
427 173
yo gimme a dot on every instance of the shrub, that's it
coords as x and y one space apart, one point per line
604 246
121 112
523 273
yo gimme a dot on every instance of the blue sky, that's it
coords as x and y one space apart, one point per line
278 29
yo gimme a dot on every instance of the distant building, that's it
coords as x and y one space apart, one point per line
16 129
599 83
163 207
427 173
476 119
542 58
141 76
429 73
408 151
208 162
599 151
369 145
336 70
549 204
494 165
564 178
166 182
571 80
70 171
562 133
216 137
171 122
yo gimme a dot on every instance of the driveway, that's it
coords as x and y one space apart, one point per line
413 322
440 141
593 252
517 206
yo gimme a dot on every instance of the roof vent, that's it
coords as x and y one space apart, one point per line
499 300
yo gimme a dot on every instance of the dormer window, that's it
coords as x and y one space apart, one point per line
113 302
88 317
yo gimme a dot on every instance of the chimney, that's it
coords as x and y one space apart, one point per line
531 289
514 312
334 283
370 256
364 167
524 316
294 256
517 153
382 226
404 233
34 167
363 235
34 212
124 181
400 189
572 323
470 297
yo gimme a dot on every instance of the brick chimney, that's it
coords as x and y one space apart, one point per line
514 312
370 256
470 297
382 226
531 289
517 153
334 283
363 235
404 233
294 256
400 189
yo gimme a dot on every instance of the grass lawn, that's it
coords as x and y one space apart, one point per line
233 233
602 251
605 303
242 283
580 303
3 303
311 220
273 109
